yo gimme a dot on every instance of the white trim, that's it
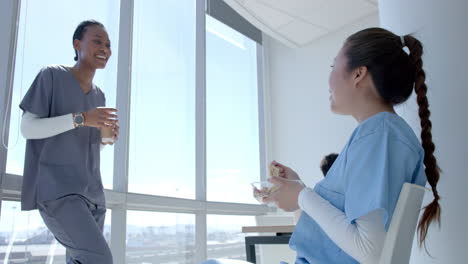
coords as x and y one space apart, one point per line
264 157
115 199
267 101
123 101
200 102
201 253
118 237
239 8
154 203
120 180
200 129
118 199
144 202
8 92
222 208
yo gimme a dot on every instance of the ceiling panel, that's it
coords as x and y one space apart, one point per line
300 9
338 13
268 15
301 33
298 22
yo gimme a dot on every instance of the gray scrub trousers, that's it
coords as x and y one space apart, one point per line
61 173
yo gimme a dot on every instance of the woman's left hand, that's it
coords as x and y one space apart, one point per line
286 196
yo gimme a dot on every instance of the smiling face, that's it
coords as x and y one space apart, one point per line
94 48
341 85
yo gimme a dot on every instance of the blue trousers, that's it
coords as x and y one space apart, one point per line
77 224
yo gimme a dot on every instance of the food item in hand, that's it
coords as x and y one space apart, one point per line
274 171
263 190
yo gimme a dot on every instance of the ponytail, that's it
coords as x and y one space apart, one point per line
431 211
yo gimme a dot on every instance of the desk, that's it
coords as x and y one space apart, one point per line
283 234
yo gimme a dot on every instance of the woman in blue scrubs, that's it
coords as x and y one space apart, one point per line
346 215
63 114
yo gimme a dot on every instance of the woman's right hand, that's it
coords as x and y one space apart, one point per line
285 171
100 117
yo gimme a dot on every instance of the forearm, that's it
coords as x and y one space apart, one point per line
363 240
33 127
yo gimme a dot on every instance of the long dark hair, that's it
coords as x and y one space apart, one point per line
395 73
81 29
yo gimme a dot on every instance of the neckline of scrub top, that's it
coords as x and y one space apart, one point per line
68 69
379 114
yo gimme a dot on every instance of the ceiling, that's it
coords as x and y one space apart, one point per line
297 23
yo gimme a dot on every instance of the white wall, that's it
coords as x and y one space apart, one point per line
442 28
303 129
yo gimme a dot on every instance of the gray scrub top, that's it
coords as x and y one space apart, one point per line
67 163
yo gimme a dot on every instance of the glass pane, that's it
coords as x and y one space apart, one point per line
233 157
225 237
162 117
40 44
154 237
25 239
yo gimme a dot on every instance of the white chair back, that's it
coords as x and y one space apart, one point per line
400 234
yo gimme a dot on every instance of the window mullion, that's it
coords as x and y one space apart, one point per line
200 129
120 180
7 74
265 155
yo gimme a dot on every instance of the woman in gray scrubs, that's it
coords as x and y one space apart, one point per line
63 114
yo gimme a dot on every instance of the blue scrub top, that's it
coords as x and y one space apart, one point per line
67 163
382 154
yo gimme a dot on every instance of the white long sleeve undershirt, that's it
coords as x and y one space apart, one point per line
363 240
34 127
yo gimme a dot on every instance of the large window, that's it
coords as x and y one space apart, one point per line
47 39
162 114
187 89
232 114
160 237
225 239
